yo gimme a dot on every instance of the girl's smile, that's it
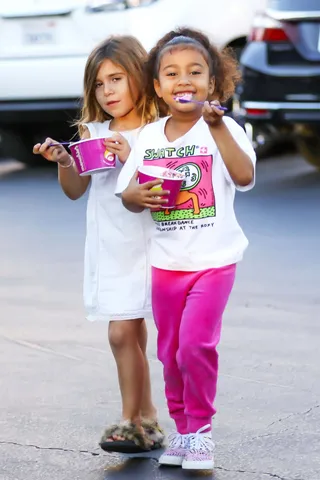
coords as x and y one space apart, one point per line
183 71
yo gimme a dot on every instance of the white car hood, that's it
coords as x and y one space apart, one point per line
26 8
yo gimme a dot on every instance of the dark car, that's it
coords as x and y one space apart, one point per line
281 74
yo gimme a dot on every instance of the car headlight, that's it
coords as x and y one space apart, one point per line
102 6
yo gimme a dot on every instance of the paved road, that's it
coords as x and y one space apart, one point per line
58 385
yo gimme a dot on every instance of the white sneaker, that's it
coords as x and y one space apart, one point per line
176 451
200 452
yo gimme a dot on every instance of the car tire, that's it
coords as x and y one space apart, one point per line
309 148
262 149
268 141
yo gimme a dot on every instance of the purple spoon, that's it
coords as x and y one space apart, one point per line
185 100
59 143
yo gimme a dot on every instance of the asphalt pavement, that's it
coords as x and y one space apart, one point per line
58 387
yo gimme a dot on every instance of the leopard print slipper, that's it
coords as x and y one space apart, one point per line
154 432
133 440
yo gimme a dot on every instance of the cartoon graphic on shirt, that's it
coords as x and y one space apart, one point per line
196 198
193 176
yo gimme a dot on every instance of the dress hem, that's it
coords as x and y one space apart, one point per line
108 317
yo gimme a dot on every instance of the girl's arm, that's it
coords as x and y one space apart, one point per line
238 162
71 183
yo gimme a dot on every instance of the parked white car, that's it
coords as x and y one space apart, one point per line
44 45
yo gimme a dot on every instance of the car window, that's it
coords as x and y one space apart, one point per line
295 5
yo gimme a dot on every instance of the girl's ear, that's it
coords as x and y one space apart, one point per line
157 87
212 84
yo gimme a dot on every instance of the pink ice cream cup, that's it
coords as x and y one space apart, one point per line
91 156
172 181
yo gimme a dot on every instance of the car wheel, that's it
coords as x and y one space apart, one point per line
263 141
268 141
309 148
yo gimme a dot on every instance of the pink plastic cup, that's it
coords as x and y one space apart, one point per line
172 181
91 156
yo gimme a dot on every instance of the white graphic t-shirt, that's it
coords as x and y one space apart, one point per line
202 230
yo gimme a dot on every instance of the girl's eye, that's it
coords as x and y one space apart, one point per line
116 79
98 84
196 72
171 74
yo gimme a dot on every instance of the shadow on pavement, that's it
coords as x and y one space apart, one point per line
147 468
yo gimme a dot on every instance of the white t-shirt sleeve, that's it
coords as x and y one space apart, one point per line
127 172
244 143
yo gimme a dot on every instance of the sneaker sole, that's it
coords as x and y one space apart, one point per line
170 461
201 465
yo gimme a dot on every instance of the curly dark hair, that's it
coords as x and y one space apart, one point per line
222 63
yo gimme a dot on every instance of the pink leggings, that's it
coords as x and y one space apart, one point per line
188 309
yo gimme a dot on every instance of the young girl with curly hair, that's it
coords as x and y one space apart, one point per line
196 245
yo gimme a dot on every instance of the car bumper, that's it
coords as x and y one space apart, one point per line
38 89
38 111
282 112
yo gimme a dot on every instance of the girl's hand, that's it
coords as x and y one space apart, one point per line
211 114
118 145
145 195
57 153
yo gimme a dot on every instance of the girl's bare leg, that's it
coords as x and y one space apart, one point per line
124 339
128 341
148 410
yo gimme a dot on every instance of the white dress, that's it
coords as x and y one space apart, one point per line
116 266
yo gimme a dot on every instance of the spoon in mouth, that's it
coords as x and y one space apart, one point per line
187 99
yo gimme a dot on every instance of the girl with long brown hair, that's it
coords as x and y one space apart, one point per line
116 277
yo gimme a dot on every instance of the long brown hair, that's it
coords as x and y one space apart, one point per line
127 52
223 65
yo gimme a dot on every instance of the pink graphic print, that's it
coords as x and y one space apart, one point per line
196 198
